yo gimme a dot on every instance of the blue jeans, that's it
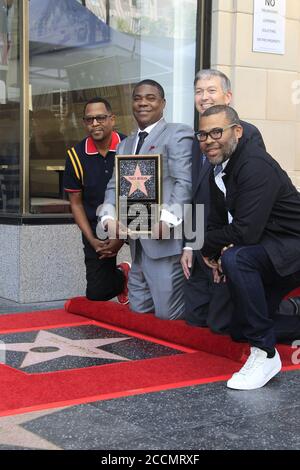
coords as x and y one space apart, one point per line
257 290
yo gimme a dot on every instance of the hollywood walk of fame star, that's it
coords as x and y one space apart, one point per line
49 346
138 181
13 434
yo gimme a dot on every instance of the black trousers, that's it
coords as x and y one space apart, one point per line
207 303
104 279
257 290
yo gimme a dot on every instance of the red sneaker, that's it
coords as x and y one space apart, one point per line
123 296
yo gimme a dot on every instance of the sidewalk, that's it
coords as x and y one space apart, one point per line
9 306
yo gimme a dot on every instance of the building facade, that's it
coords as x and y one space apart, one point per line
56 55
266 86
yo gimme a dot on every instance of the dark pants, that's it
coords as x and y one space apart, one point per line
257 290
104 280
207 303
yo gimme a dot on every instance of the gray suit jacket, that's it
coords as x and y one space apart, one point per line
174 142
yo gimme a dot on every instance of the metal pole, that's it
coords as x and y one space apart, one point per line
107 6
24 106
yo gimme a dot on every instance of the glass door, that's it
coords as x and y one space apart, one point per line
82 49
9 107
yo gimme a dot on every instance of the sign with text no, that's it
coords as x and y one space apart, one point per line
269 26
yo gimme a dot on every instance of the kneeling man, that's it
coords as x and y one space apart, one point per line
252 241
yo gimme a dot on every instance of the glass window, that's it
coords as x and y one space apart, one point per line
82 49
9 107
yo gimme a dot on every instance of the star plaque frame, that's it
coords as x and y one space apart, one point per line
138 191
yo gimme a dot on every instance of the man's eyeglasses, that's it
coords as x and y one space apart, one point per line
215 133
101 118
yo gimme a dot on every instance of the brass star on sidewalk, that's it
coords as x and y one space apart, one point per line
48 346
138 181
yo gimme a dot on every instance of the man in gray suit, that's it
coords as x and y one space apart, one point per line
156 278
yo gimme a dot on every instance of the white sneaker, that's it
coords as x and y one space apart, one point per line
256 372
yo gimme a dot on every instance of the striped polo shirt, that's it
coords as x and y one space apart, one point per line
88 171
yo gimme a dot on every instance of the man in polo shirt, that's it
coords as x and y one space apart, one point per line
89 167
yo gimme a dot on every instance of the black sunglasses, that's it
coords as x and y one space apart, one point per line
215 133
101 118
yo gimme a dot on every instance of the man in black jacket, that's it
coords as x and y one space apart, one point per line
207 303
253 239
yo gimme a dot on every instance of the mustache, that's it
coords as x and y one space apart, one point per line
211 146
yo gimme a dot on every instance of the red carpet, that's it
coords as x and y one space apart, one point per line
205 358
175 331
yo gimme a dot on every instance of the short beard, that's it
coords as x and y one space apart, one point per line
230 148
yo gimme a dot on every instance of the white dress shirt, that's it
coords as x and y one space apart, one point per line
170 219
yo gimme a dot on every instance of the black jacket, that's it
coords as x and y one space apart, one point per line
265 207
200 173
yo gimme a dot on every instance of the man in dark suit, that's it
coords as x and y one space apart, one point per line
208 303
253 239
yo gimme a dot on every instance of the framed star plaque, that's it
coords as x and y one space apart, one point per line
138 191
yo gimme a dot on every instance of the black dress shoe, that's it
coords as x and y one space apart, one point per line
296 302
290 307
200 324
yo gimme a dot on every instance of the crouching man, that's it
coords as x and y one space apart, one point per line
252 241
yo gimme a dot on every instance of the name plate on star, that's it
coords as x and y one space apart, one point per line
138 191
